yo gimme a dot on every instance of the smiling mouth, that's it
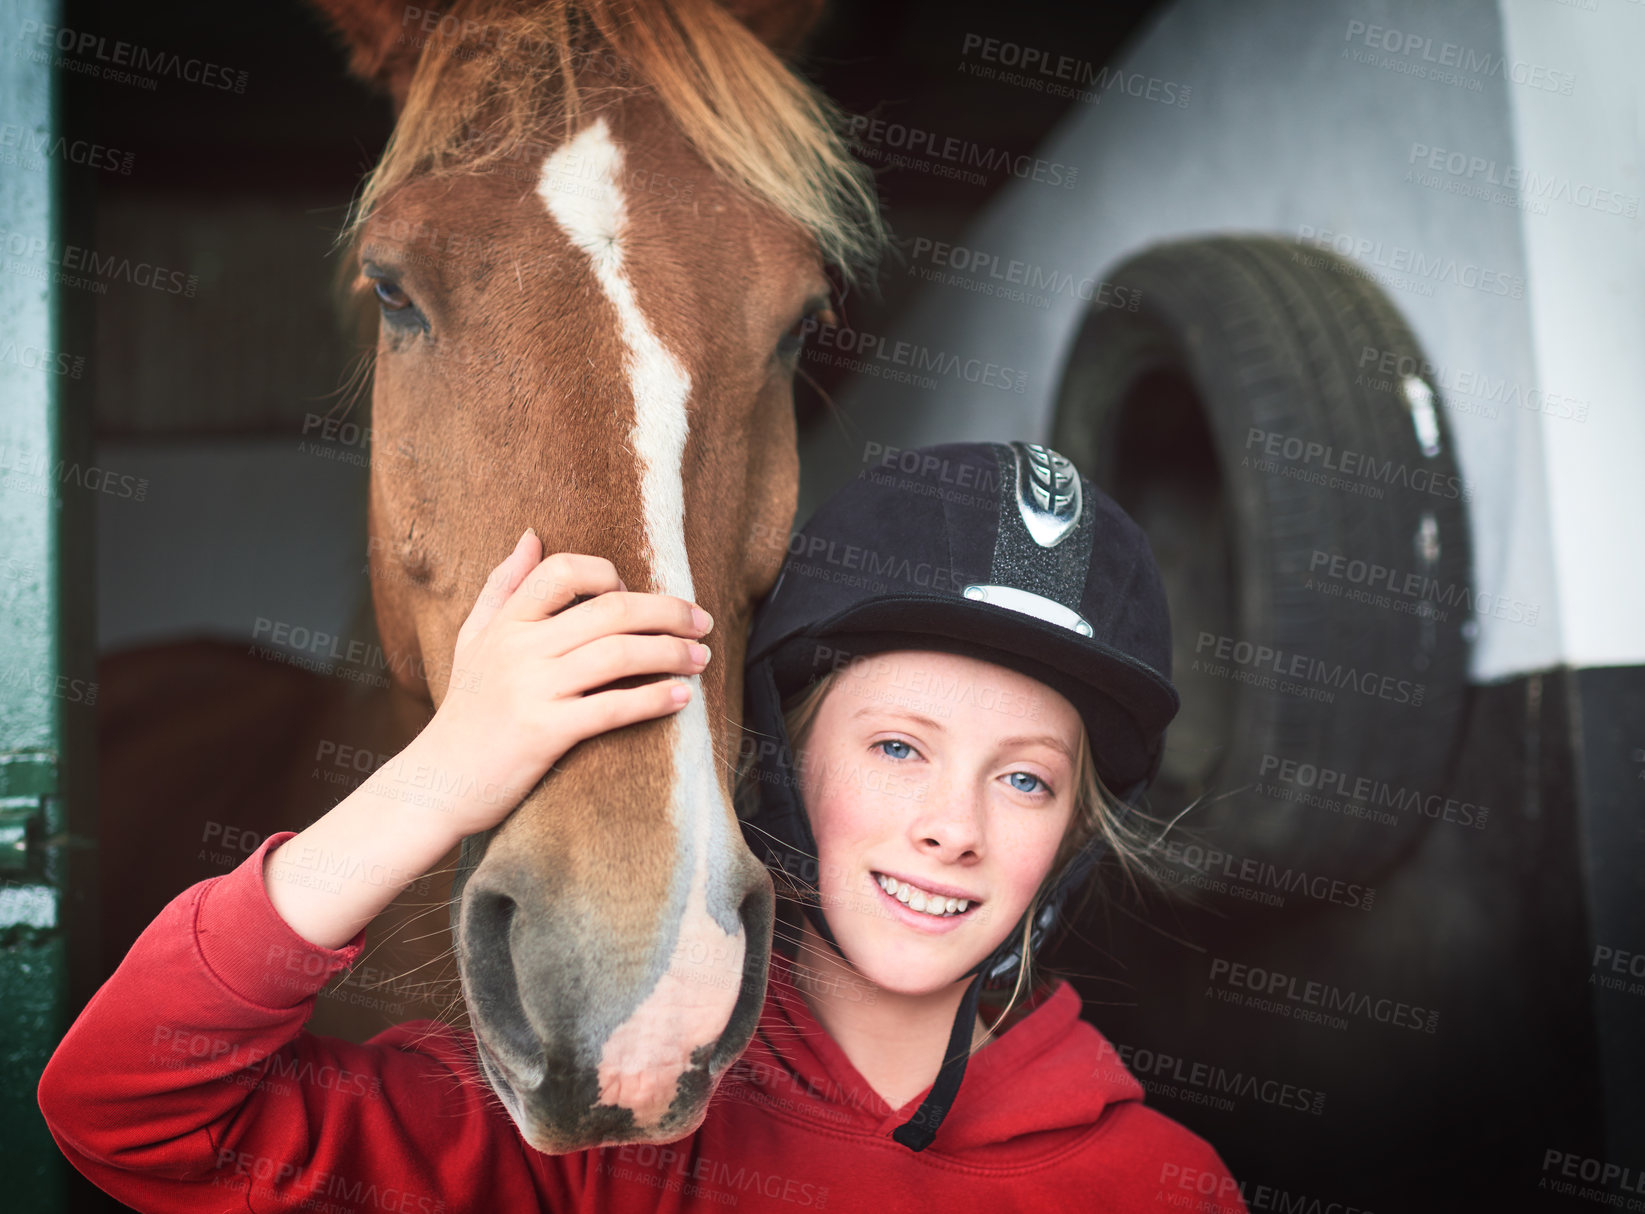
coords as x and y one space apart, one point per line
922 901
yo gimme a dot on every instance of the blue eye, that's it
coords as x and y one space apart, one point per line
907 749
1035 787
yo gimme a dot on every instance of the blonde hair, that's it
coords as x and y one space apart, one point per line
496 73
1126 829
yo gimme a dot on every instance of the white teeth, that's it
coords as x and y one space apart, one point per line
917 899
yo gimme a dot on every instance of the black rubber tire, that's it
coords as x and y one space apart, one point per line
1171 408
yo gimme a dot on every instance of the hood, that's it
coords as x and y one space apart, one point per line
1029 1091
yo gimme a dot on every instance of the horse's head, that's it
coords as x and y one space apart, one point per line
596 243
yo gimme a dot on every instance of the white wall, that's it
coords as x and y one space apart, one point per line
1586 266
1284 134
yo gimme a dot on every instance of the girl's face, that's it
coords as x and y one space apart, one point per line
949 773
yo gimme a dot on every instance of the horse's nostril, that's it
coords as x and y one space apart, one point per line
492 912
756 912
494 989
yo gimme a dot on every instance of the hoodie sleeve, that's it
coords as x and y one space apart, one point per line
188 1083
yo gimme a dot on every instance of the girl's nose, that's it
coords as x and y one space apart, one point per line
951 820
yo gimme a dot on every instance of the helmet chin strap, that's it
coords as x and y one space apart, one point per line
917 1132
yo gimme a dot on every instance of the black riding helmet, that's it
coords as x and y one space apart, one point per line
1002 552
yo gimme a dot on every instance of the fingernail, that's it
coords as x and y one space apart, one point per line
701 619
682 692
699 653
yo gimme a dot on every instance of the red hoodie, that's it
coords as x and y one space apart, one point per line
189 1084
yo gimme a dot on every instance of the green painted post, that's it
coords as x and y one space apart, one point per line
47 641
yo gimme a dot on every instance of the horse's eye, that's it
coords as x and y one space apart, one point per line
813 319
390 296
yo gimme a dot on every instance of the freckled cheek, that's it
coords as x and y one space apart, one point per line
846 825
1025 856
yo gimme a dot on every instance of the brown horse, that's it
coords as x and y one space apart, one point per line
647 200
596 238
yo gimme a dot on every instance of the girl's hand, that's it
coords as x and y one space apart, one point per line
516 703
524 659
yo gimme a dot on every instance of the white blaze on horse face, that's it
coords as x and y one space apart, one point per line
692 1002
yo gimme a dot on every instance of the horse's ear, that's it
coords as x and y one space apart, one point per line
780 24
383 37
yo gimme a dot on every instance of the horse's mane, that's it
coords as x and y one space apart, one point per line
496 74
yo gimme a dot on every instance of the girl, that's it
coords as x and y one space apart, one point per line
967 648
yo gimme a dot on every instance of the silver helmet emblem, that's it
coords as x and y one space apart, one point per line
1048 493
